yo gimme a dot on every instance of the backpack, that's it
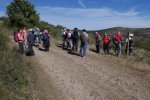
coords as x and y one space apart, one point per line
99 38
15 36
75 34
114 40
45 37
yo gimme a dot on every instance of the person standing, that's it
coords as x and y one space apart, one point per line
97 42
20 37
37 36
118 41
106 41
75 38
25 33
46 41
65 35
84 43
30 42
69 39
129 43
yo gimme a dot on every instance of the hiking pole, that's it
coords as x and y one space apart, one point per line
128 45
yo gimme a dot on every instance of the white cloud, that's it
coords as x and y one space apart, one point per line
93 18
81 3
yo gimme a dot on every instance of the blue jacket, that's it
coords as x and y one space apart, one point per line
30 38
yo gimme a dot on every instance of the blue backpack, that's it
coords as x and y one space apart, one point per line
45 37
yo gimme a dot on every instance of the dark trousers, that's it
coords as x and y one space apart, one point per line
75 45
46 48
106 48
98 48
30 49
21 47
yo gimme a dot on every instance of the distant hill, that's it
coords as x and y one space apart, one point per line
139 33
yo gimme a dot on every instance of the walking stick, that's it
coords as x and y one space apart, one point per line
128 45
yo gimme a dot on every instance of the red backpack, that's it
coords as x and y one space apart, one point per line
16 37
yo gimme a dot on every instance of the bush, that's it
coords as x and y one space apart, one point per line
143 44
3 43
14 73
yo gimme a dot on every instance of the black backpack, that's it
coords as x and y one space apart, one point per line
75 34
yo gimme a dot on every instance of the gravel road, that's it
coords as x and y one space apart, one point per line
96 77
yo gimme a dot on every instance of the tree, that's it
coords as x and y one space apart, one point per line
22 13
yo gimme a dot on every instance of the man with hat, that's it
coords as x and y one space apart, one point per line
30 42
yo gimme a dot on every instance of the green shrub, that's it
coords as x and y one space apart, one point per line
3 43
14 73
143 44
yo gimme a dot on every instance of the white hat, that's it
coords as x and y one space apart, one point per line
30 29
131 34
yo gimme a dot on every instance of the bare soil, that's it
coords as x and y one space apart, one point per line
63 76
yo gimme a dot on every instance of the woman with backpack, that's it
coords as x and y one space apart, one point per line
20 38
106 41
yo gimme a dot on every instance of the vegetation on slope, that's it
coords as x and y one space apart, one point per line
14 72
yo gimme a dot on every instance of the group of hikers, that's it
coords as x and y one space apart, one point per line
71 39
27 38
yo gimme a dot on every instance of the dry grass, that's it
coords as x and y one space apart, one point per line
130 62
140 60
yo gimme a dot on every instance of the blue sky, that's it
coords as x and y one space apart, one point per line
91 14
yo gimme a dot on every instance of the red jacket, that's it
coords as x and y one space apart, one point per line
118 38
106 39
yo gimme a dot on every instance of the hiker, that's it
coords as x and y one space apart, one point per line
25 33
62 33
15 35
69 40
65 35
129 43
97 42
84 43
117 40
30 43
37 36
106 41
20 37
75 38
46 40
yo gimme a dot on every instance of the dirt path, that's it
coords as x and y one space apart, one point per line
96 77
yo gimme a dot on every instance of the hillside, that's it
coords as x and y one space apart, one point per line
59 75
140 33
